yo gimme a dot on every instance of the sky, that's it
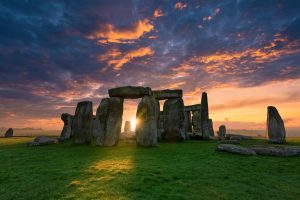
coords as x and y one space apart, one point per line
244 53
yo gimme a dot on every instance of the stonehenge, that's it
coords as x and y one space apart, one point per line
275 126
9 133
129 92
127 126
82 125
204 117
167 94
67 129
222 132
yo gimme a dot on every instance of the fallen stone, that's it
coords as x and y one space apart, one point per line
192 107
231 148
67 129
82 125
146 129
129 92
9 133
239 137
204 117
277 151
109 121
275 126
167 94
174 120
42 141
229 142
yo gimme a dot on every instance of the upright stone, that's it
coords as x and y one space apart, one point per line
109 121
204 117
160 125
174 120
275 126
222 132
129 92
9 133
146 130
211 128
196 121
127 126
67 129
82 125
188 121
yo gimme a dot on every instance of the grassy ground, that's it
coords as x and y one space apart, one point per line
191 170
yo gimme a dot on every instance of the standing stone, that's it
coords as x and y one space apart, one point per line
146 130
211 128
160 125
174 120
196 121
127 126
67 129
9 133
275 126
204 117
188 121
82 125
109 121
222 132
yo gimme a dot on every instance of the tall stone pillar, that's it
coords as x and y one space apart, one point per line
127 126
67 129
196 121
275 126
204 117
82 125
147 114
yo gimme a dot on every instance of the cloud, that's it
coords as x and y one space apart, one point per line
158 13
180 5
117 59
111 34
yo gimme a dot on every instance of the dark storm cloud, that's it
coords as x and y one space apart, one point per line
55 52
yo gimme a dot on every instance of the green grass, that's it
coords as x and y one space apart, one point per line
191 170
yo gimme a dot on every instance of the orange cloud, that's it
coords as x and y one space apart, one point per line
111 34
117 59
180 6
158 13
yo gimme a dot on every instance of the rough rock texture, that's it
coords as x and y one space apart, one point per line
129 92
196 122
127 126
67 129
42 141
146 130
192 107
222 131
188 123
109 121
229 142
211 127
277 151
275 126
9 133
204 117
239 137
174 120
167 94
82 125
160 125
235 149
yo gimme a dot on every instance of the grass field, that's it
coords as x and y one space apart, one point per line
191 170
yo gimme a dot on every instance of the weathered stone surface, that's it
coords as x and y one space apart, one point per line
42 141
129 92
229 142
188 123
167 94
146 129
196 122
275 126
192 107
174 120
9 133
235 149
82 125
211 127
109 121
239 137
204 117
222 131
67 129
160 125
127 126
277 151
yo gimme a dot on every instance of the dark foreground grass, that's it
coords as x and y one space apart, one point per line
191 170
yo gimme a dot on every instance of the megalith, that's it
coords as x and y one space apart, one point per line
9 133
204 117
127 126
82 124
147 115
109 121
196 122
160 125
167 94
275 126
211 127
222 132
67 129
129 92
173 112
188 121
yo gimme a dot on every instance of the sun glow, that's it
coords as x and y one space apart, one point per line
133 122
